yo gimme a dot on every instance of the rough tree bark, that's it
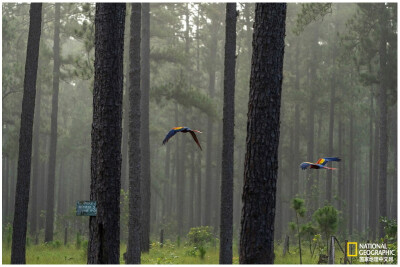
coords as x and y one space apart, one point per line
25 137
104 230
261 161
145 142
226 227
135 205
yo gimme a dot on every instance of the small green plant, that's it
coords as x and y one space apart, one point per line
390 227
191 252
28 241
78 240
200 236
308 231
84 249
53 244
298 206
327 219
8 235
202 252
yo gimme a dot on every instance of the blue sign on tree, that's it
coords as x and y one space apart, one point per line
86 208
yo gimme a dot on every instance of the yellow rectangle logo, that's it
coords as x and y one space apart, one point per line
348 249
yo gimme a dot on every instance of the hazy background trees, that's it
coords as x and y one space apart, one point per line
334 81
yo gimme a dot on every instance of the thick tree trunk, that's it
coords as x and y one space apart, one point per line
53 135
104 245
226 228
145 142
261 164
135 212
25 137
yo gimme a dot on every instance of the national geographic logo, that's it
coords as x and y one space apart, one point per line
349 250
370 252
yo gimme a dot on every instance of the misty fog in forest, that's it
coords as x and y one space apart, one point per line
338 100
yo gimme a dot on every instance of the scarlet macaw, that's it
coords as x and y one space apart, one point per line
320 164
183 130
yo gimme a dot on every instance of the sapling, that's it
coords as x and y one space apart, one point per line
300 210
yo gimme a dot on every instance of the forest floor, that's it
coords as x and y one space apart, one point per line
56 253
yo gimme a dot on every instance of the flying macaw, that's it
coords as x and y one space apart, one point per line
320 164
182 130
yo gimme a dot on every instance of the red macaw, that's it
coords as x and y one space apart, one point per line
320 164
182 130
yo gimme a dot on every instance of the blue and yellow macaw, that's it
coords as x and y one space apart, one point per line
320 164
175 130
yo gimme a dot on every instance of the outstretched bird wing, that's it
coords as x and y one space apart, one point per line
171 133
195 138
323 161
305 165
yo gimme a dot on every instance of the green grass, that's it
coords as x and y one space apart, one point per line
293 257
168 254
47 254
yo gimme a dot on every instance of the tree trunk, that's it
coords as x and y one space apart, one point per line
53 135
192 178
383 143
199 196
296 183
61 188
145 142
5 184
135 212
25 137
393 198
311 121
124 148
210 130
352 177
340 175
261 163
372 179
103 247
167 185
226 228
35 165
329 177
